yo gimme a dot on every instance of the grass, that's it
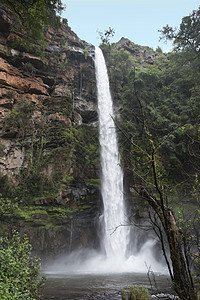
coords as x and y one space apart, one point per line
28 211
48 216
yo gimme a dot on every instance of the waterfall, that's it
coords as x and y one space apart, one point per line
115 238
116 232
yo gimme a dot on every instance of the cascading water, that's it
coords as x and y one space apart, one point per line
114 217
116 232
115 226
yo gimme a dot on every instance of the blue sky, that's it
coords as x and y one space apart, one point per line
137 20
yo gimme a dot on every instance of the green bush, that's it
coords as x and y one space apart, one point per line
136 293
19 119
7 206
18 270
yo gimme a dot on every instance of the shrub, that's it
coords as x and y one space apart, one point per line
19 118
7 206
18 270
136 293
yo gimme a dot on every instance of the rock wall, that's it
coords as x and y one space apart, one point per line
64 75
49 137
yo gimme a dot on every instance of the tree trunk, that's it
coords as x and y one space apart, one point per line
182 281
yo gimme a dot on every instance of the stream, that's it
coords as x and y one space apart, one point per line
103 286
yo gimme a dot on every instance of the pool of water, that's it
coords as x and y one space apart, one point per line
103 286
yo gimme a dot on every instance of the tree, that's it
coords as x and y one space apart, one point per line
32 17
161 145
18 270
150 181
152 190
156 198
106 35
169 95
150 133
187 37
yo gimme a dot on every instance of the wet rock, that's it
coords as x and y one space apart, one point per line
62 200
87 110
164 296
13 159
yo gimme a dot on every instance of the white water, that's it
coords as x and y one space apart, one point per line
116 233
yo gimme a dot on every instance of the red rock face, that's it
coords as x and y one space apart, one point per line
53 85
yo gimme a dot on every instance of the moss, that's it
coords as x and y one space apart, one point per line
46 194
63 211
96 182
84 207
28 212
48 215
53 226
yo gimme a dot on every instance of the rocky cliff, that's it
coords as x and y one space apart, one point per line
59 88
144 53
48 139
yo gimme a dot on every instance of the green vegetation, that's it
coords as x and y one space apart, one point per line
31 17
159 138
93 182
18 270
165 95
18 122
7 206
159 142
71 146
46 217
41 215
10 94
106 35
136 293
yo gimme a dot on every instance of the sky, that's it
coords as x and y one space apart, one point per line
137 20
